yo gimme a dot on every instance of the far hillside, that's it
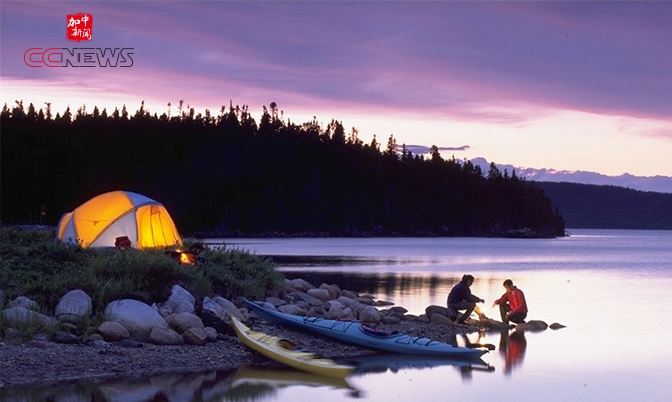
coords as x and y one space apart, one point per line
609 207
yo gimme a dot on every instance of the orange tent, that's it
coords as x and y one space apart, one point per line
101 220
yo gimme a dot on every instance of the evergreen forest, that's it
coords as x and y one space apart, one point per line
226 174
610 207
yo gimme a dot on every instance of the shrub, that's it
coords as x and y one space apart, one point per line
236 273
32 264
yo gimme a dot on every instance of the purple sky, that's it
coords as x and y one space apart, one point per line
573 86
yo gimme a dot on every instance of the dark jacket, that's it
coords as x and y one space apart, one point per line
460 293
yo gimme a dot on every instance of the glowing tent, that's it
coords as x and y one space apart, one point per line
100 221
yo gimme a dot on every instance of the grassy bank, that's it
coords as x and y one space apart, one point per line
32 264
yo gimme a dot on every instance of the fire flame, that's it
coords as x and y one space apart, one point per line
186 258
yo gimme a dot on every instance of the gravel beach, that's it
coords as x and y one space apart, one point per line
42 363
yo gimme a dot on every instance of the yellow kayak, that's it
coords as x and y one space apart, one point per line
281 351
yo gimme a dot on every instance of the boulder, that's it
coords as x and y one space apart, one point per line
399 310
137 317
349 294
73 307
212 334
348 314
320 294
391 313
23 301
275 301
538 325
533 325
301 285
113 331
335 311
180 301
223 308
183 321
365 300
163 310
493 324
382 303
444 311
22 317
370 315
440 319
210 319
305 297
94 337
334 290
3 299
292 309
390 320
164 336
195 336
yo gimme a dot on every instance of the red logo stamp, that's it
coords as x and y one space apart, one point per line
79 27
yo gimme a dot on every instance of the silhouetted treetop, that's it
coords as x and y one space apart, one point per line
230 175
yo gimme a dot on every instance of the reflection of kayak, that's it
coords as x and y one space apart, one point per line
284 351
380 363
284 378
356 333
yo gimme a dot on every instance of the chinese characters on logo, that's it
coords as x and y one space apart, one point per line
79 27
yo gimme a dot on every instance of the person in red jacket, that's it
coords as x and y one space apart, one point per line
512 305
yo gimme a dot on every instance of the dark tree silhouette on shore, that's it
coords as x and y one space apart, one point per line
225 174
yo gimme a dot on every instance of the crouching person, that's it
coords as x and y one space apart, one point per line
512 304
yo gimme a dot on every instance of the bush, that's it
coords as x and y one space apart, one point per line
235 273
32 264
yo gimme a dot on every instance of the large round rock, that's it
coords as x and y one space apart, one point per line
73 307
137 317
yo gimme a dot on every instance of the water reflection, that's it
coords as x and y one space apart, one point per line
204 386
512 347
378 283
393 363
249 383
244 384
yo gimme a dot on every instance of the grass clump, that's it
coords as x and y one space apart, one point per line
33 264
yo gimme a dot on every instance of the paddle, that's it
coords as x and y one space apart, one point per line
488 346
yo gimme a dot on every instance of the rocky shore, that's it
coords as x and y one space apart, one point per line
183 335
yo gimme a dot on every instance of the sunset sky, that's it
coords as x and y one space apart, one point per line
563 85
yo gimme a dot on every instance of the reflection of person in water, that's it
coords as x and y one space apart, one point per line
512 346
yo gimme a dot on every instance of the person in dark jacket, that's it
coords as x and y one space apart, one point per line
461 299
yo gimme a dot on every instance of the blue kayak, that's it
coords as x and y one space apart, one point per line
359 334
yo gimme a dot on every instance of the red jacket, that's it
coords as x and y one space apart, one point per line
516 300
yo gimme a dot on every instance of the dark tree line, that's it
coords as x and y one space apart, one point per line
610 207
229 175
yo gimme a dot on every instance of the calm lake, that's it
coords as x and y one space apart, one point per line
612 289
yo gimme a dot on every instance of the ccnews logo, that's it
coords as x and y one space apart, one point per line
78 57
79 27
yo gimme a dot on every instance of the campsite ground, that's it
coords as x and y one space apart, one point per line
42 362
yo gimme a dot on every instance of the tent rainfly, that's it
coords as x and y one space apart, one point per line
104 218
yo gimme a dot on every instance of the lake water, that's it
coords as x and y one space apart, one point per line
612 289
